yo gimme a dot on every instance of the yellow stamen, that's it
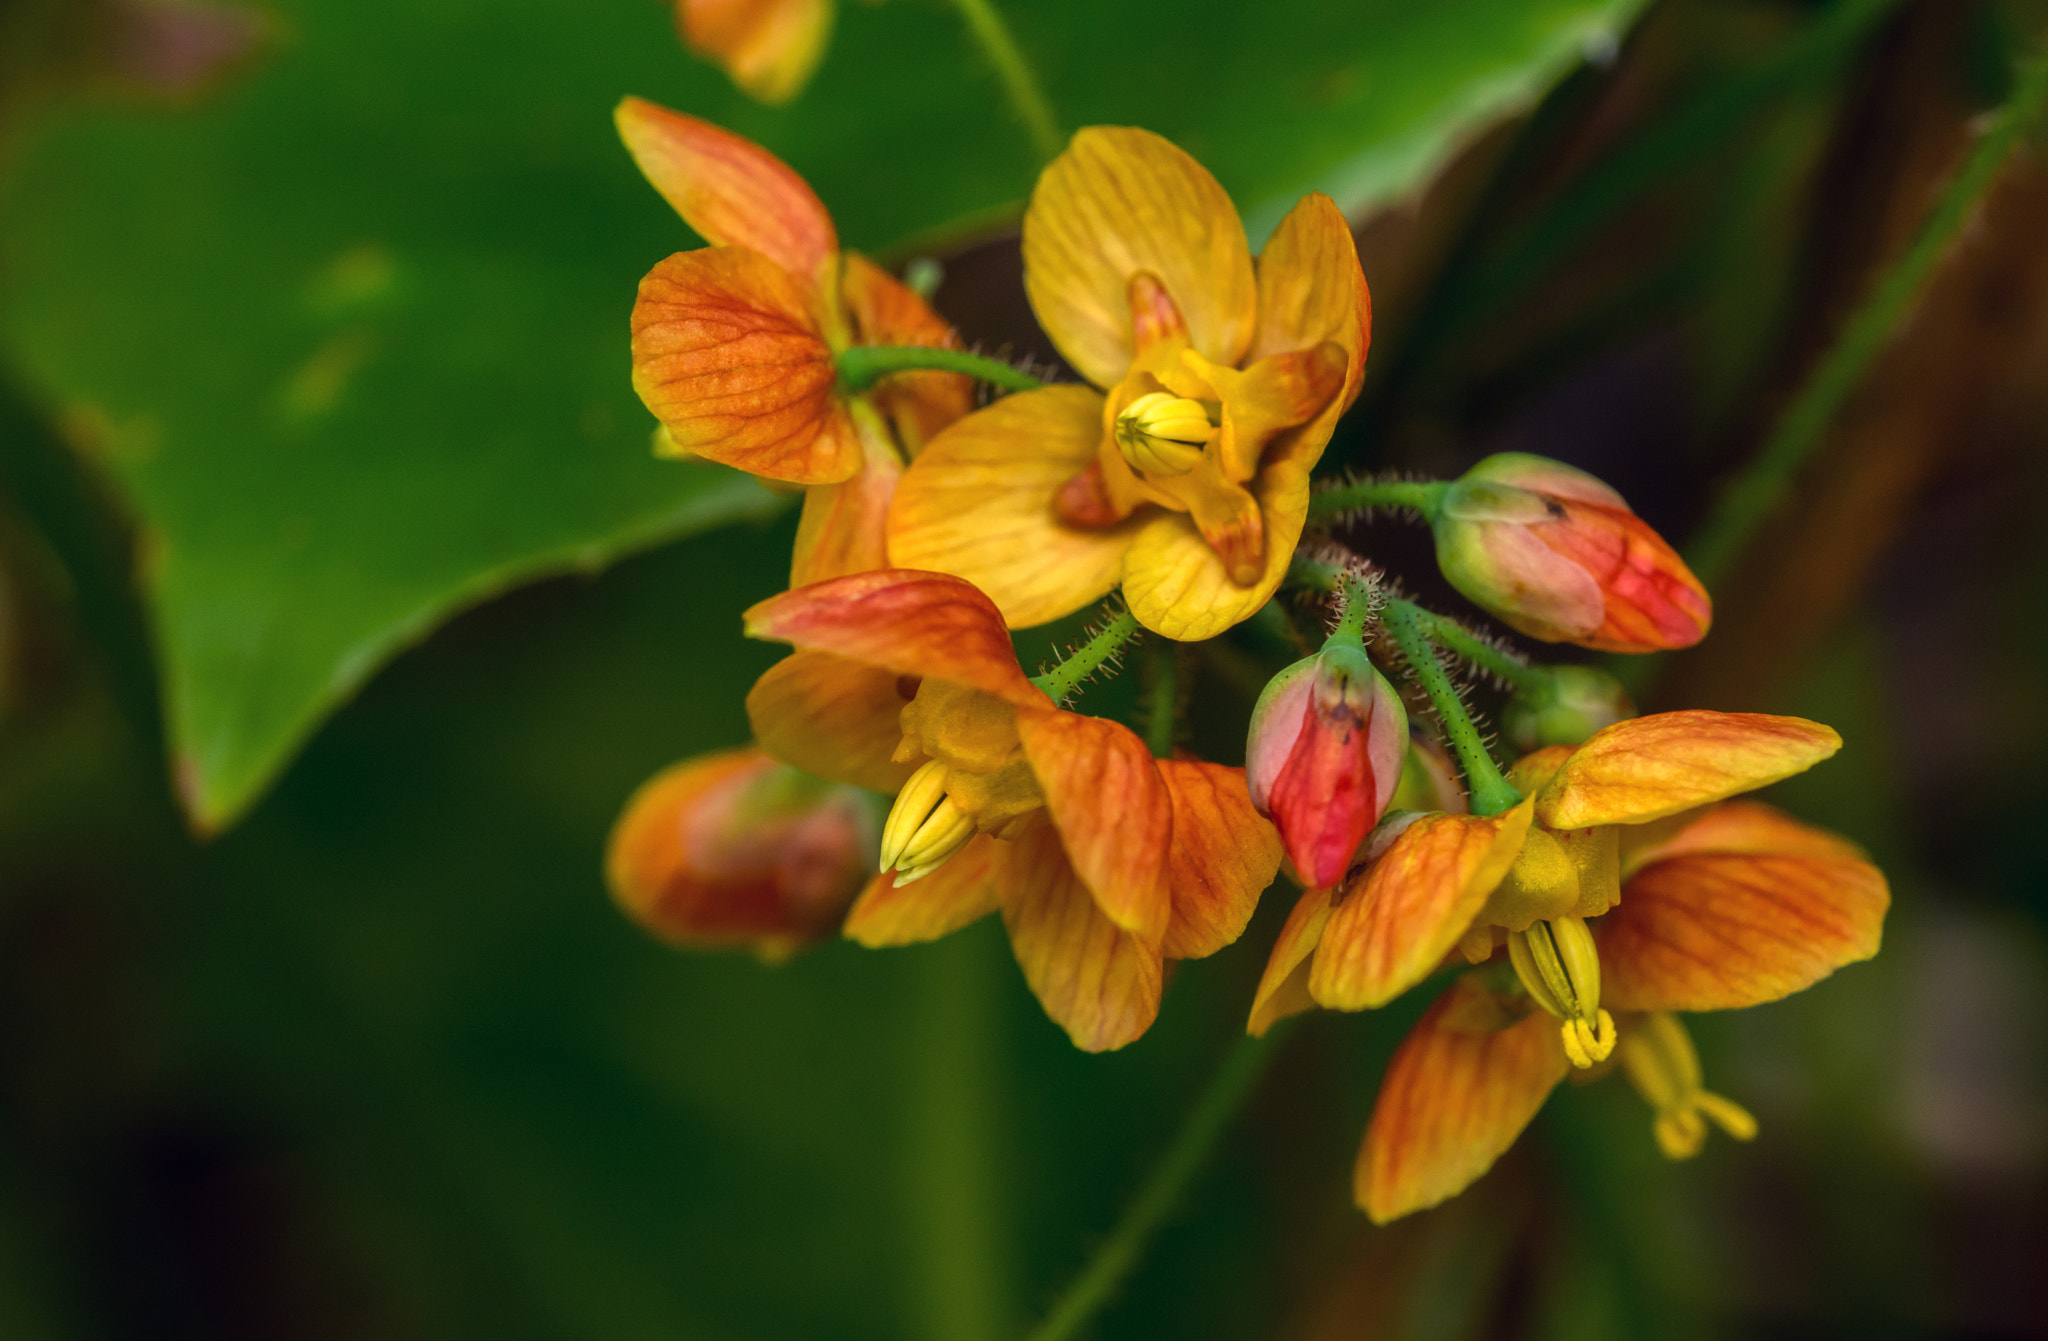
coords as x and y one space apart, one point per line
1661 1062
941 836
914 805
1163 434
1560 967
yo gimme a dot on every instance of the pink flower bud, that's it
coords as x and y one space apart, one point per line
1556 554
735 849
1328 739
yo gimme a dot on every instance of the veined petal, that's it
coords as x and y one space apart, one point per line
1750 908
845 527
1455 1097
769 47
728 359
912 623
1098 982
730 190
1395 928
1118 201
1178 587
1112 809
1736 827
1646 768
959 892
977 503
1312 289
833 717
1224 854
1283 989
886 311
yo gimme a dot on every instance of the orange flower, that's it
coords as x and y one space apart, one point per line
769 47
1740 905
735 849
1188 482
1104 862
734 343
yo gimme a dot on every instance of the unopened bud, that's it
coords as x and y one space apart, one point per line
735 849
1560 968
1328 740
1163 434
1555 553
1565 708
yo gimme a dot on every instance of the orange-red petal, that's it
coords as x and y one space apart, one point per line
1455 1097
1415 901
833 717
961 891
730 190
912 623
1283 988
885 311
1119 201
1112 809
1224 854
845 527
1097 981
769 47
1646 768
726 356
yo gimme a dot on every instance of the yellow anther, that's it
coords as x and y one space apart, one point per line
914 805
1661 1062
1163 434
1560 967
941 836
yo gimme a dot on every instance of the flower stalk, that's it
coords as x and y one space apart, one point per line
1062 680
1405 624
861 366
1419 496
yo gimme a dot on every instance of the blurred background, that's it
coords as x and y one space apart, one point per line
341 606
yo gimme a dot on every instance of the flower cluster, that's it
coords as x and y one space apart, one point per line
1575 901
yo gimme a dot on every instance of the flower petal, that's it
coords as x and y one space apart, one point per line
1119 201
1312 289
1098 982
1112 809
769 47
1745 826
977 503
886 311
959 892
1646 768
912 623
1455 1097
1752 908
726 357
1177 585
1283 989
845 527
1396 926
833 717
730 190
1224 854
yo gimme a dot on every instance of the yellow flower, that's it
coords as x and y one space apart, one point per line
1186 478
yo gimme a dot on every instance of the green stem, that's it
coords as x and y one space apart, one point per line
1415 495
1191 1147
1162 711
1356 611
1063 679
1014 71
861 366
1404 623
1462 643
1763 484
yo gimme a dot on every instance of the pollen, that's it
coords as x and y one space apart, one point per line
1163 434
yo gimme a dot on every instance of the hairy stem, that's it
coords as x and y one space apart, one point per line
1462 643
1063 679
1405 624
1162 709
1415 495
861 366
1018 80
1356 610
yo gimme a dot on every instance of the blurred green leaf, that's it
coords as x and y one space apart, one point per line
353 338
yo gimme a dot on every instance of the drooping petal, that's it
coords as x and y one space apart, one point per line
1097 981
978 503
885 311
1393 930
769 47
1224 854
1455 1097
845 527
1113 812
912 623
1745 906
1179 587
730 190
1646 768
1312 289
1283 990
833 717
1119 201
963 890
728 359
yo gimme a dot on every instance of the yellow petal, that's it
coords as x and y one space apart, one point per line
1454 1099
977 503
1396 926
769 47
1177 586
1119 201
1311 289
1646 768
1283 989
1097 981
959 892
1224 854
1113 812
833 717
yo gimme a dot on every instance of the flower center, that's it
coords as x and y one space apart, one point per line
1164 434
1558 964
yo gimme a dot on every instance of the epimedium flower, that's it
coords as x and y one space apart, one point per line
1555 553
733 849
1184 478
1626 881
734 344
1104 862
770 48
